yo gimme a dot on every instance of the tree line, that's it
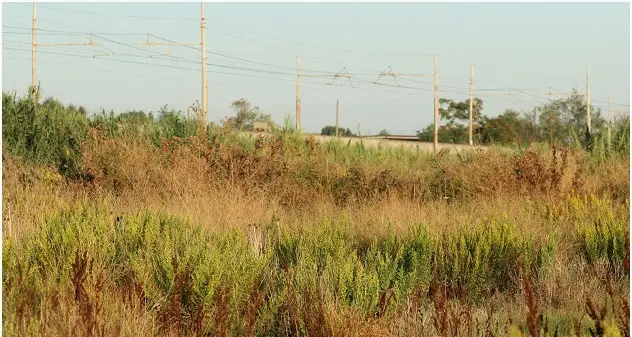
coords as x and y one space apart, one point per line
563 121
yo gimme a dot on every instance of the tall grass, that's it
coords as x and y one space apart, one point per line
47 133
140 227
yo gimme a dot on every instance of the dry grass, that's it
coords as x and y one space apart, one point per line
140 177
226 187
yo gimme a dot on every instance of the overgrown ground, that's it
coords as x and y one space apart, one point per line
135 227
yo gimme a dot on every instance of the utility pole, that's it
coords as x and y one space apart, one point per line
436 104
298 93
204 117
588 99
34 49
609 131
337 114
471 103
535 124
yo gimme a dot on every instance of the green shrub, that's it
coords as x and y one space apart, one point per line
487 259
46 133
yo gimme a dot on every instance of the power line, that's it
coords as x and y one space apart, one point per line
127 61
291 74
237 58
225 25
184 59
157 76
262 63
198 62
66 32
293 51
176 58
65 48
109 14
223 65
61 32
230 57
176 67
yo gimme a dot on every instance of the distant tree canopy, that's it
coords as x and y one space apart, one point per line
331 131
457 116
565 120
562 120
245 116
506 128
384 132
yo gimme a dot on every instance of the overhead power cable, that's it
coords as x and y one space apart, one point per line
109 14
170 66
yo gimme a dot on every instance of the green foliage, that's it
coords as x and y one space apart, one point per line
605 241
330 130
484 260
47 132
456 115
454 112
153 250
620 137
559 120
171 124
619 141
138 124
245 116
601 233
450 134
507 128
179 272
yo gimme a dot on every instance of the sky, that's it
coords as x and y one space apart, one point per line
252 51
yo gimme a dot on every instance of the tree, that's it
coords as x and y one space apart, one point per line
246 115
384 133
173 123
330 130
457 116
454 112
506 128
453 134
564 120
134 117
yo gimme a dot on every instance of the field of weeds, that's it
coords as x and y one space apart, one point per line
138 227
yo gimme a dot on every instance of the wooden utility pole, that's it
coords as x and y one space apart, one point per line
535 124
298 93
471 103
204 117
609 131
436 104
337 114
34 49
34 45
588 99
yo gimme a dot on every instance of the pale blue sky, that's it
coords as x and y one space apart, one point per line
527 46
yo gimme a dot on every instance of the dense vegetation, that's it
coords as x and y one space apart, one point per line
132 224
330 130
562 121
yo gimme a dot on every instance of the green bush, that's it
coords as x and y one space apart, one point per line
47 133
